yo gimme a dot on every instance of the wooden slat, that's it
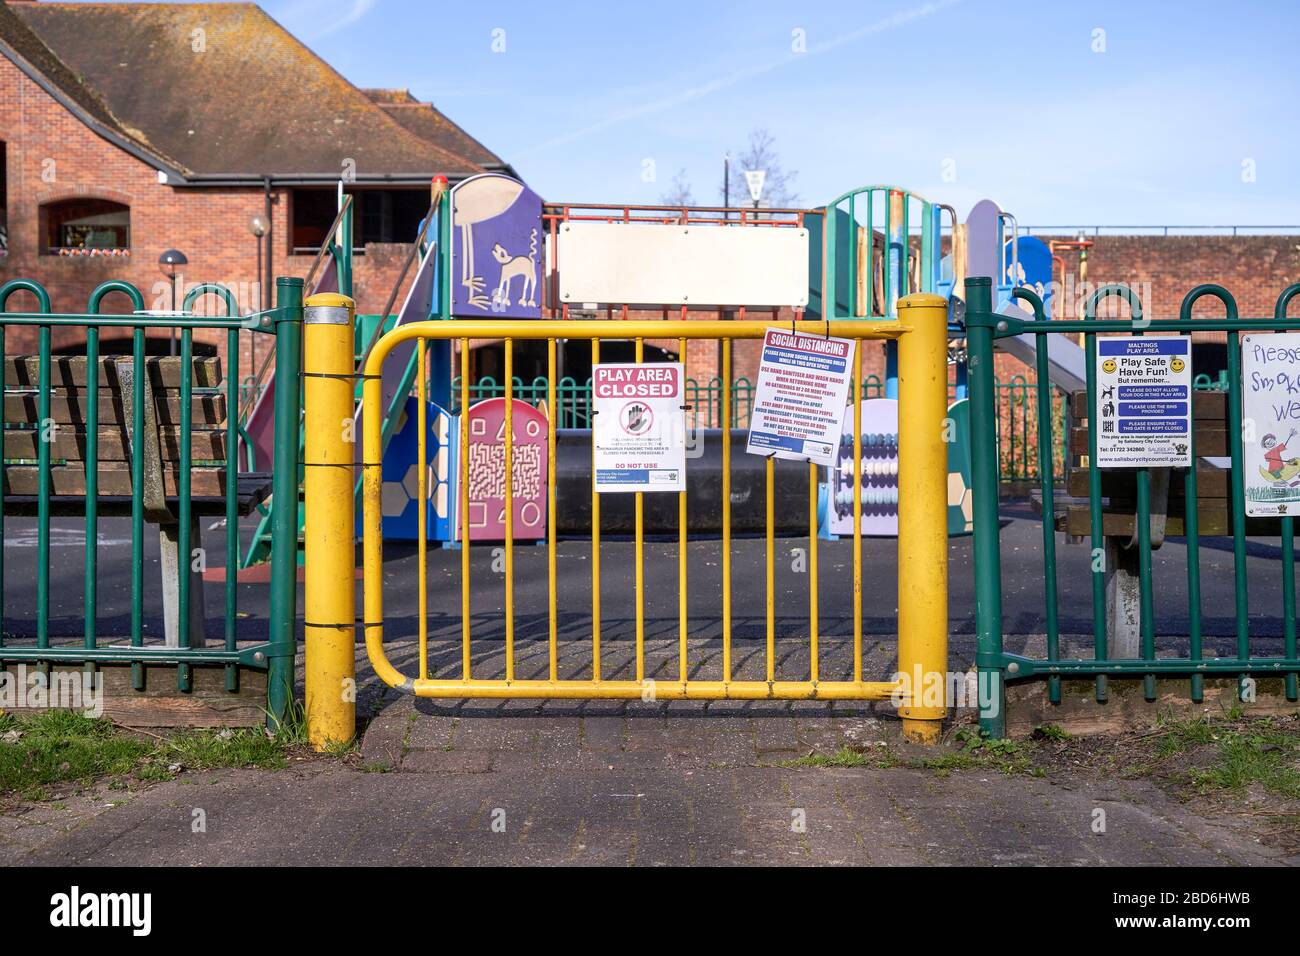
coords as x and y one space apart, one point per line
1211 439
160 704
69 371
251 490
114 479
1117 483
67 407
70 443
1213 515
1210 406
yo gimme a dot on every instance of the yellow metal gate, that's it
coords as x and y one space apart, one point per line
921 333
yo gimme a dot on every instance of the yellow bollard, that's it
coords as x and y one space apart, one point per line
923 514
329 528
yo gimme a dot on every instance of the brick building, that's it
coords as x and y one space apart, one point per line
129 129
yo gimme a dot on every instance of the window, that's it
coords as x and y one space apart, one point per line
86 227
379 215
312 212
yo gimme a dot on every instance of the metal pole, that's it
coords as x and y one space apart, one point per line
329 526
284 502
175 308
261 307
923 515
269 258
984 492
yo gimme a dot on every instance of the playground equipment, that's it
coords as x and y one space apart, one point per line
482 257
588 248
331 271
870 245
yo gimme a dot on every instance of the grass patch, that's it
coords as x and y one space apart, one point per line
1051 732
1259 756
1005 756
844 757
971 753
38 751
1225 755
55 747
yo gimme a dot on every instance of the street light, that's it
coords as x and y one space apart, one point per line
170 263
259 227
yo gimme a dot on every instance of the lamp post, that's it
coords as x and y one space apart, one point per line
171 263
259 227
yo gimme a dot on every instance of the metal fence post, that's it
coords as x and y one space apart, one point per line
329 526
984 493
284 501
923 514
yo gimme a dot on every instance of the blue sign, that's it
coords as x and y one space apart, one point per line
1143 414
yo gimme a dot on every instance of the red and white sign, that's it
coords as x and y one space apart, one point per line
803 384
487 472
639 433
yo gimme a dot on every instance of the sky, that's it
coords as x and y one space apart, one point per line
1079 113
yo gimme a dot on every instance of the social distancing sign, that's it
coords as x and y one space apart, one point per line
638 434
1270 432
803 385
1143 415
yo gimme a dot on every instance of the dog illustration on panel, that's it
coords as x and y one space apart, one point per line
513 267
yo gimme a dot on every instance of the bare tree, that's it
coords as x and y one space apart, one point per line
680 193
778 184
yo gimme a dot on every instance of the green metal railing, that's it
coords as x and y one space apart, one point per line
275 656
1016 410
996 666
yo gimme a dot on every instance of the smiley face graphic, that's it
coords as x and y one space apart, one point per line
1177 364
1109 366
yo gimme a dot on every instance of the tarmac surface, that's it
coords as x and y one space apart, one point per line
1022 592
623 784
631 783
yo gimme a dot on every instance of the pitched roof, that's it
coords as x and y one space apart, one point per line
427 122
29 51
253 101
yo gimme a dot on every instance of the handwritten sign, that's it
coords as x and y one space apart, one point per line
803 385
638 437
1270 433
1143 416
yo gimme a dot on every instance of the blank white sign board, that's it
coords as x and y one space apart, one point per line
652 264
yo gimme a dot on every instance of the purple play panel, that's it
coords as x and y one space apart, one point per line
496 249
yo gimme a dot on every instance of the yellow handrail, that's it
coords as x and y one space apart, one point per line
921 333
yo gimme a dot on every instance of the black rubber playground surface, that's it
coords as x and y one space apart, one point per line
1022 574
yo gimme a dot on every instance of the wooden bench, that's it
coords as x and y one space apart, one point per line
161 446
1073 512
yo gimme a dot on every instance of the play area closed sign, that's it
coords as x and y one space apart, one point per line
639 432
1143 415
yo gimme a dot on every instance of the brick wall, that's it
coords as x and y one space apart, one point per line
52 155
1255 269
